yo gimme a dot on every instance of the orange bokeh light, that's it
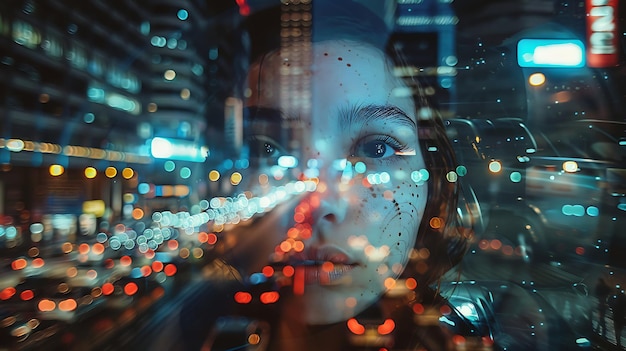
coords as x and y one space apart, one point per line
288 271
68 305
328 266
149 254
418 308
211 239
131 289
170 270
146 271
269 297
137 213
83 248
108 288
299 217
27 295
268 271
243 297
46 305
18 264
410 283
172 244
458 339
126 260
157 266
436 223
495 244
285 246
109 263
203 237
7 293
387 327
389 283
355 327
38 262
298 246
98 249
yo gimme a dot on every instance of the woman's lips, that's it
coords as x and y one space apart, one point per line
324 266
324 273
310 272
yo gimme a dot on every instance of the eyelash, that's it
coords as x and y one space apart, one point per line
394 143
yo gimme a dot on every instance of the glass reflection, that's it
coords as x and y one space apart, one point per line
307 174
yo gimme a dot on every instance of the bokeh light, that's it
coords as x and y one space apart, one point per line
536 79
128 173
90 172
110 172
214 175
56 170
235 178
495 166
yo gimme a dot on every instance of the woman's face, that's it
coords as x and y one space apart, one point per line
352 127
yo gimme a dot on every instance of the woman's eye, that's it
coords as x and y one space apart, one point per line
263 147
377 148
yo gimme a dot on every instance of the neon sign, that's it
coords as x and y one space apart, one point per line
550 53
602 50
166 148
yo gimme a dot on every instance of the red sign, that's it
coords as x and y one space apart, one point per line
602 44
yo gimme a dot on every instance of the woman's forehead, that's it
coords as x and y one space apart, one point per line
324 69
310 56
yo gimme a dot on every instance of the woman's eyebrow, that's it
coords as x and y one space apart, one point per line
364 114
267 115
263 114
357 114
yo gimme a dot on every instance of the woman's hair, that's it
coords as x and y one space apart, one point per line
442 241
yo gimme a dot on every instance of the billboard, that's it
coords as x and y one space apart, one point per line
602 44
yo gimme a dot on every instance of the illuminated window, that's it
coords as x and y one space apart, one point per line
77 56
52 46
26 35
4 26
96 65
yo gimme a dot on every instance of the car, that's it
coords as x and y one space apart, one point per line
577 182
516 317
544 194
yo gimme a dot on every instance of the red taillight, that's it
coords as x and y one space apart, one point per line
387 327
355 327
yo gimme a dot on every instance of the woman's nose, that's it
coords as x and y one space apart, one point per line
330 200
333 206
318 212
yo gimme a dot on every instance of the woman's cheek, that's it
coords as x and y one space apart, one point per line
392 214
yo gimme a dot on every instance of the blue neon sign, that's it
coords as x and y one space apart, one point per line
550 53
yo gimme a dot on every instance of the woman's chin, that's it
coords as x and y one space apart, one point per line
320 305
